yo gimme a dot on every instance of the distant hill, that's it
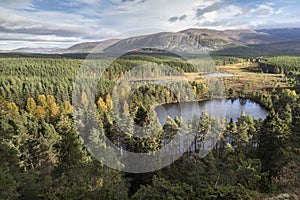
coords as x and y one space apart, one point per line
177 42
37 50
87 47
192 41
280 35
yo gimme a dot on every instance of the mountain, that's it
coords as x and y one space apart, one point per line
195 40
87 47
184 41
36 50
235 36
280 35
191 41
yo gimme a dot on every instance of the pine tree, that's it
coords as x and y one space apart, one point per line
10 126
170 130
273 141
67 108
243 129
204 129
165 189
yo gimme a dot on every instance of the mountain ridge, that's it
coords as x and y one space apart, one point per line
192 40
195 39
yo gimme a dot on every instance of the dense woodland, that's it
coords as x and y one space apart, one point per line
287 65
43 156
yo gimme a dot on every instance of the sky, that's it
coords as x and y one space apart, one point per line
62 23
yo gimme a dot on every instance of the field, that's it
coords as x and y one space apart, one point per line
249 75
245 76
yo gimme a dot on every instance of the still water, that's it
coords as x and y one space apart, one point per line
217 75
222 108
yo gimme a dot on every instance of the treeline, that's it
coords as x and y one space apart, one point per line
21 78
226 60
288 65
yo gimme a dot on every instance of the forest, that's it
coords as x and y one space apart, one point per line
44 154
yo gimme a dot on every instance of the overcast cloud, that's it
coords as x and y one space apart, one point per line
48 23
211 8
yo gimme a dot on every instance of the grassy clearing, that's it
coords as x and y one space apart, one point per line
194 77
247 77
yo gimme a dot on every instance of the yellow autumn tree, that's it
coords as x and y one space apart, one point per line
195 89
108 101
50 99
102 104
13 108
31 106
40 112
53 108
42 100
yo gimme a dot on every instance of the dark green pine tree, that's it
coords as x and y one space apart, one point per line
79 175
38 147
10 125
287 114
170 130
146 125
164 189
204 129
273 143
142 117
243 137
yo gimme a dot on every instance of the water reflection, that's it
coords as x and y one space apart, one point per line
222 108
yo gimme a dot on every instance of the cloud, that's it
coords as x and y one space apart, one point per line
39 22
224 17
10 45
213 7
246 10
183 17
230 24
154 13
46 27
16 40
265 10
35 38
23 25
89 2
16 3
270 4
137 1
173 19
208 23
176 18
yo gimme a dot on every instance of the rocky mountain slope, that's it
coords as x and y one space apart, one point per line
195 40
